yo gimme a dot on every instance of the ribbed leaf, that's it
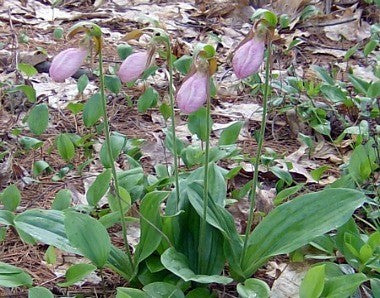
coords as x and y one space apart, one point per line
89 236
296 223
150 237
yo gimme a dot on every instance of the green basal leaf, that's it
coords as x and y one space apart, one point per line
89 236
62 200
11 276
313 283
65 147
253 287
297 222
178 264
40 292
76 273
92 110
99 187
11 197
38 119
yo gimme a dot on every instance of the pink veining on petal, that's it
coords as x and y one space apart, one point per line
66 63
248 58
193 93
133 67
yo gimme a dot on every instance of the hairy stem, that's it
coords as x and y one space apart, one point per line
202 231
252 196
172 116
109 150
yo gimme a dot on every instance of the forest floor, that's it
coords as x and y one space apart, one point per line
27 35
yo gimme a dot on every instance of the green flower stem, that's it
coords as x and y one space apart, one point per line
108 141
252 195
172 116
202 231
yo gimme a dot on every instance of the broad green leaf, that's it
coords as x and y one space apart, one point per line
253 287
98 188
154 264
375 286
287 192
150 236
6 217
50 256
183 64
150 71
28 69
93 109
324 75
318 172
124 50
82 83
119 262
65 147
11 276
343 286
200 293
62 200
147 100
29 92
46 226
11 197
295 223
282 174
313 283
266 15
374 90
40 292
58 33
3 233
38 119
197 123
163 290
30 143
113 200
76 273
165 110
130 293
334 93
370 46
360 85
351 51
361 163
117 144
89 236
177 263
221 219
39 167
75 107
230 134
112 83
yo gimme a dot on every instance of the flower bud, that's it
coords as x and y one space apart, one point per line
134 66
248 57
66 63
193 92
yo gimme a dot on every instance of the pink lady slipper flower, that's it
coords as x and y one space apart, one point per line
66 63
134 66
248 57
193 92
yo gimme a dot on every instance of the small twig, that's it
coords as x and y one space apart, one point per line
327 24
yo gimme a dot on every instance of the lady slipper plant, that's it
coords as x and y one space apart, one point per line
193 92
134 66
66 63
249 55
